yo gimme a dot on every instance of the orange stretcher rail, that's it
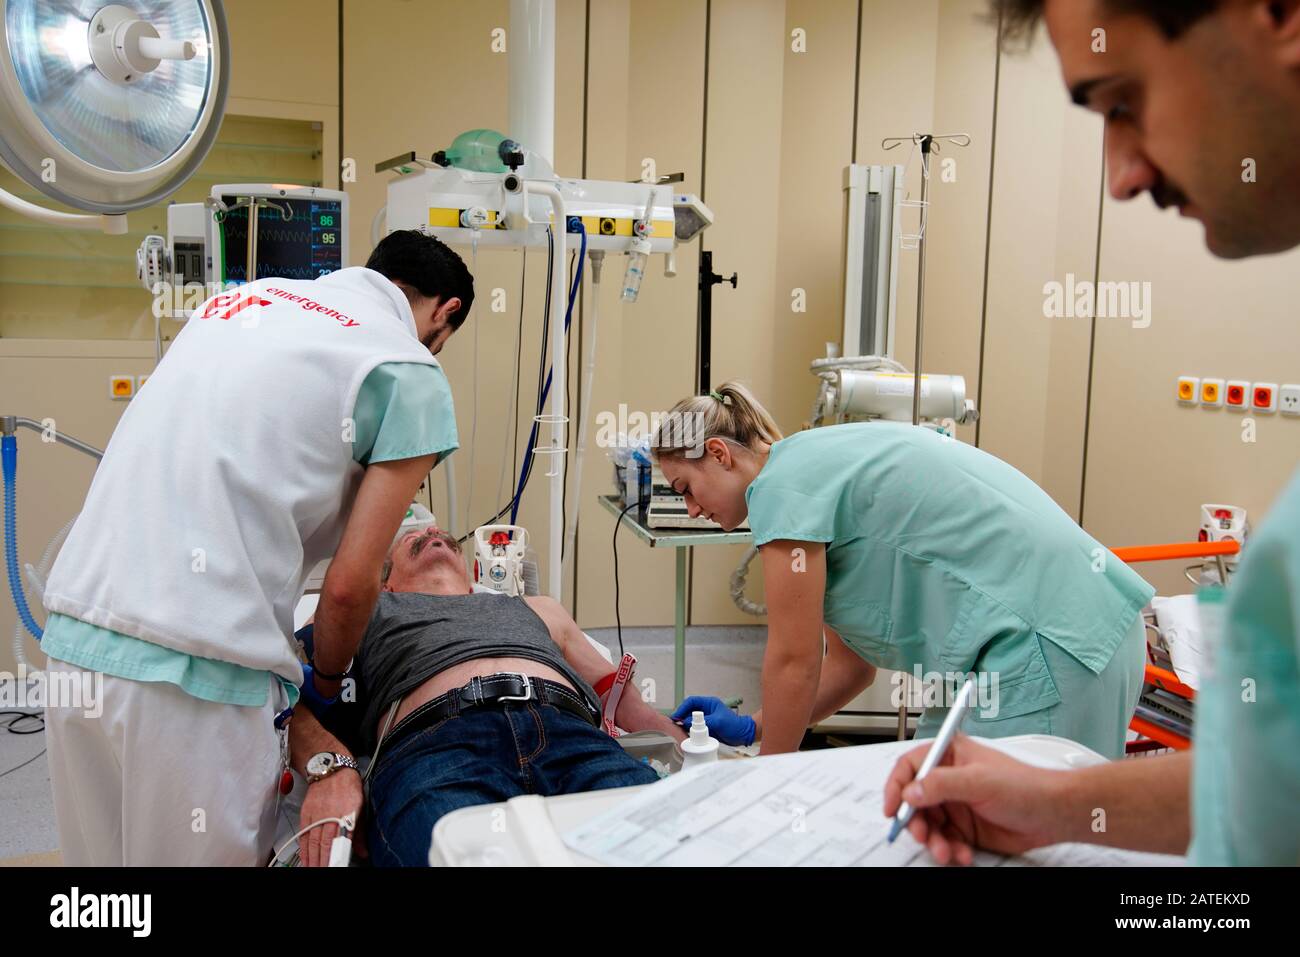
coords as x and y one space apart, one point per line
1154 732
1160 553
1163 677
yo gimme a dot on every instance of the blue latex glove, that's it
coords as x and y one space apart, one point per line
723 723
316 703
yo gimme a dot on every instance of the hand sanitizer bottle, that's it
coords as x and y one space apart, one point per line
698 748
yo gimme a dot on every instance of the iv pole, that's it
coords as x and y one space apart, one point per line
929 143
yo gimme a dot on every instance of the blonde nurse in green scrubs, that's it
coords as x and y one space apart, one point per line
892 546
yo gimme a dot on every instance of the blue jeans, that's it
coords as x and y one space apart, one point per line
484 756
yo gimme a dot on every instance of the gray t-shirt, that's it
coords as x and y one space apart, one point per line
412 637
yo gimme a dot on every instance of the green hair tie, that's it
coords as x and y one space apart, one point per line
717 395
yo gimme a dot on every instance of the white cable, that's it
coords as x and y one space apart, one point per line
473 429
508 418
349 823
449 468
819 404
589 376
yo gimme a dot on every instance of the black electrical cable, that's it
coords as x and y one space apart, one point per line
518 497
568 404
512 505
519 352
618 618
546 325
19 767
17 716
518 494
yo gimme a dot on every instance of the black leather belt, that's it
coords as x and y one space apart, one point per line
491 690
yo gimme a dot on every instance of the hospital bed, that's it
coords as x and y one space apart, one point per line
1165 709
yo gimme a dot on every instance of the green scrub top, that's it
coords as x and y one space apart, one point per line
1246 755
942 556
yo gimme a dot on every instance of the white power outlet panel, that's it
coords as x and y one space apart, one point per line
1289 400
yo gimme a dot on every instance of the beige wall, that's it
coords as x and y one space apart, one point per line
956 235
646 349
1044 224
1151 462
67 379
746 83
769 160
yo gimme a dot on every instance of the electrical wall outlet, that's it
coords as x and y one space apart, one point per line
121 386
1263 397
1212 392
1289 400
1189 389
1236 396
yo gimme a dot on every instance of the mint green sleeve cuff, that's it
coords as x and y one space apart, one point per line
404 410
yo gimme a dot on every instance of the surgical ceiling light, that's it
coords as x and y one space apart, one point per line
108 107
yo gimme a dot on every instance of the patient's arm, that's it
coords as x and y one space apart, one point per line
337 795
633 713
307 736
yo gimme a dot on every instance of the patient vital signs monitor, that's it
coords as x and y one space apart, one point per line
303 242
286 232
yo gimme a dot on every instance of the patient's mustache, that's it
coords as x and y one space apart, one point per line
422 540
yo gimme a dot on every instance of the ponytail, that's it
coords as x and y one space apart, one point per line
728 412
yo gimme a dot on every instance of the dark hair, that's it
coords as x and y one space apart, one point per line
427 265
1020 17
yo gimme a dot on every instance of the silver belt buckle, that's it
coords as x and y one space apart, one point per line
528 688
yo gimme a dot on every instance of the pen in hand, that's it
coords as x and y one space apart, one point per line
942 741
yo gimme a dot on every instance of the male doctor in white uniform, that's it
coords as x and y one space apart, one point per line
291 421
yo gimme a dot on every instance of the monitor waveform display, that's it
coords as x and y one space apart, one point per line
305 246
272 234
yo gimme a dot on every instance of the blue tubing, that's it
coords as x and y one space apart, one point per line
9 455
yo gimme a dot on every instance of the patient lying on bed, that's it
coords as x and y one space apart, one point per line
456 660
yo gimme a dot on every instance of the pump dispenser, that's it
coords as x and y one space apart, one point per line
698 748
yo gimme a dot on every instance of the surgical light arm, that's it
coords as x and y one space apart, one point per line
112 225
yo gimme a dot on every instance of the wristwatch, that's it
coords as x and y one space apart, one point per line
325 763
